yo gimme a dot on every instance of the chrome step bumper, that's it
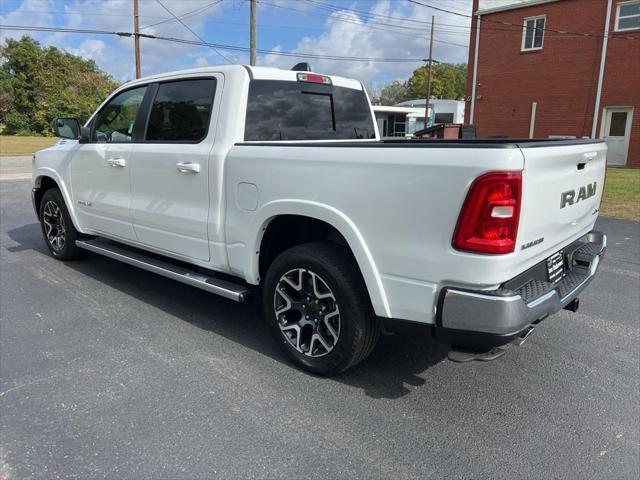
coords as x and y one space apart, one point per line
506 312
210 283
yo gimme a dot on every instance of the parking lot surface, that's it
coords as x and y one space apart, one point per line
110 371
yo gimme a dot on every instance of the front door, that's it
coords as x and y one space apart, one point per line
617 131
170 172
99 169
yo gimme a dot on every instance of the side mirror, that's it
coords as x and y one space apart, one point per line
66 128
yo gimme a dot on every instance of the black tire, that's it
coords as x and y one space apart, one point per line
357 327
55 219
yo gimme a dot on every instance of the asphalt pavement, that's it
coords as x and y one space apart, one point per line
110 371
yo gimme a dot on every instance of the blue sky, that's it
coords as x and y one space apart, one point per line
362 28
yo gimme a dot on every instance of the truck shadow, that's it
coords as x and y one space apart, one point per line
397 365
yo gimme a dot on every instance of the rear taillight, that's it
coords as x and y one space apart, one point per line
488 221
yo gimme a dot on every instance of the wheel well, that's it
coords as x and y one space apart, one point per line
286 231
45 184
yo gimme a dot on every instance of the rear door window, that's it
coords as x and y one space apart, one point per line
285 110
181 111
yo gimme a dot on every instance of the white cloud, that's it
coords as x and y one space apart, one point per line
90 49
29 12
349 33
345 33
201 62
115 55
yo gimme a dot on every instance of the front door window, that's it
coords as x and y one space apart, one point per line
114 122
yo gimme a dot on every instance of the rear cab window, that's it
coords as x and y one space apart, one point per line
295 110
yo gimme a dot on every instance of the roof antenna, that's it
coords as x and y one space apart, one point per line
301 67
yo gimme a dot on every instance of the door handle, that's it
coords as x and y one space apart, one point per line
188 167
117 162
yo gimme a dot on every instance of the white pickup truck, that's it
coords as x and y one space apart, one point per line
243 180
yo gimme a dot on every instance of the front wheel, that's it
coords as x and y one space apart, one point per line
57 228
317 306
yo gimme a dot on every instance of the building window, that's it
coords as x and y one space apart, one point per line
533 33
443 118
628 16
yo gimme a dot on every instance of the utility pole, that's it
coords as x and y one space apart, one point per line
136 35
252 43
426 104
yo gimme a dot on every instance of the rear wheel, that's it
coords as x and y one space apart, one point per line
57 228
318 308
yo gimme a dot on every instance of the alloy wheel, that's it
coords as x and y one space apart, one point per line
307 312
54 225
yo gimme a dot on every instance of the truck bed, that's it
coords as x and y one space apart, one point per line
404 205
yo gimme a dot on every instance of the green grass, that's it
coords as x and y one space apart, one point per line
622 194
15 145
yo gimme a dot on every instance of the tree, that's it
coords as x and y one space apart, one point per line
393 93
448 80
38 84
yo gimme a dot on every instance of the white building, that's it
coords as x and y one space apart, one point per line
405 118
444 111
398 122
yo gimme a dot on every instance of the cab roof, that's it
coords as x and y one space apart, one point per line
257 73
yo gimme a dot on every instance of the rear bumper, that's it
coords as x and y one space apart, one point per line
484 318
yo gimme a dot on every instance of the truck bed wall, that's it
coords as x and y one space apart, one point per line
396 207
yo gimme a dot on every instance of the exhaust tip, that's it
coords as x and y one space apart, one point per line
520 339
573 305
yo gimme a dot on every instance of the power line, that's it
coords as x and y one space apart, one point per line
466 28
421 24
375 24
184 15
519 27
88 14
209 44
63 30
343 11
366 25
336 8
194 33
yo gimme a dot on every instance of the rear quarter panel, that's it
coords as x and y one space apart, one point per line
397 208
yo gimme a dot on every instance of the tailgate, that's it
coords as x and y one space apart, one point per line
561 192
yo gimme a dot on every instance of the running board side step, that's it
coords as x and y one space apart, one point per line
212 284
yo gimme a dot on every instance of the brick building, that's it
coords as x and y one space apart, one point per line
536 73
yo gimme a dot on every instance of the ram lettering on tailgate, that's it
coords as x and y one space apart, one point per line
569 197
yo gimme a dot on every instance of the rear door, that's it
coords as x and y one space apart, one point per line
170 168
562 188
